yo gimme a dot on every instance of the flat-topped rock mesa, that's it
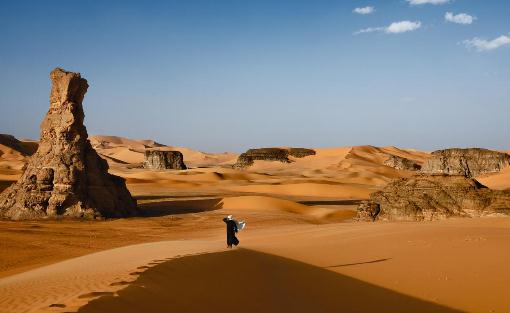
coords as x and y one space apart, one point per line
247 158
434 197
66 177
469 162
401 163
161 159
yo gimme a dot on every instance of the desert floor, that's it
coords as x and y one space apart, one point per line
301 251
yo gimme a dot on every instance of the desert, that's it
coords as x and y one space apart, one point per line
254 156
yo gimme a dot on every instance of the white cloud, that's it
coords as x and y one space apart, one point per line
364 11
393 28
402 27
434 2
370 30
486 45
461 18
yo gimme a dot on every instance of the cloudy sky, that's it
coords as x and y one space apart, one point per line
229 75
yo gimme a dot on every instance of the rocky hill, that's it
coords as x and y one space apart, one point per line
158 159
433 197
271 154
470 162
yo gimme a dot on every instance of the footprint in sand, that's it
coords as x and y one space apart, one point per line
120 283
96 294
57 305
142 267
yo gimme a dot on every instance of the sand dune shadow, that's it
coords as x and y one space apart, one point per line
169 207
249 281
359 263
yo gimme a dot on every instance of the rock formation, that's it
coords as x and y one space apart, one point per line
401 163
66 177
271 154
158 159
468 162
433 197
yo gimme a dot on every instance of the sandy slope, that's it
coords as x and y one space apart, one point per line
131 151
392 267
499 180
72 281
251 281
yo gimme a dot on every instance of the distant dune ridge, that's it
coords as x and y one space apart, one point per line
66 177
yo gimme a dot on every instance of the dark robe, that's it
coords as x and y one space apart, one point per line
231 232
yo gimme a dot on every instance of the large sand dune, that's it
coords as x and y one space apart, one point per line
355 267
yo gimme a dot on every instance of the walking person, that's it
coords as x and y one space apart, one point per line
232 228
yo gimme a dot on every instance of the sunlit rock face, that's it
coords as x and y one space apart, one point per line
66 177
434 197
163 159
247 158
470 162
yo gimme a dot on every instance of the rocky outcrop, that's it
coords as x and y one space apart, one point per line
66 177
368 211
271 154
157 159
468 162
401 163
433 197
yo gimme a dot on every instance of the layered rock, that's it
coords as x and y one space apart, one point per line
433 197
66 177
271 154
401 163
158 159
468 162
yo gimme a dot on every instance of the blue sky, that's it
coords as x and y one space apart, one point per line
230 75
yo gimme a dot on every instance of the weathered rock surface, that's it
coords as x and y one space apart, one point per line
271 154
163 159
433 197
468 162
66 177
368 211
401 163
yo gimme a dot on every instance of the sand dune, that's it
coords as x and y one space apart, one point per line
240 206
499 180
339 191
11 158
251 281
131 151
73 281
383 267
103 142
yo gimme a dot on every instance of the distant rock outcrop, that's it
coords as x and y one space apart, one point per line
66 177
271 154
433 197
468 162
157 159
401 163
